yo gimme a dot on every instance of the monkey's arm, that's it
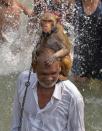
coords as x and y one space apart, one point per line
61 53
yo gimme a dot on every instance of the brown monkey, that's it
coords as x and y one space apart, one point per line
53 37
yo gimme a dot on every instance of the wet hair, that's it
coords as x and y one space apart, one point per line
39 51
41 56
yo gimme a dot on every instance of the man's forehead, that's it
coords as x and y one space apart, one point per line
44 54
43 64
52 69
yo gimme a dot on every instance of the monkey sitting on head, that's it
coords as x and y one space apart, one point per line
53 37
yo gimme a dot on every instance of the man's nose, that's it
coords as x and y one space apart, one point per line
50 78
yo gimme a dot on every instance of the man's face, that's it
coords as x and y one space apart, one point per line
56 1
48 75
46 26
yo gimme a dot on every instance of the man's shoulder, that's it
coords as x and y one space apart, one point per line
71 89
26 74
23 77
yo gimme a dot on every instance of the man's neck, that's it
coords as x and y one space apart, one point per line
44 95
45 89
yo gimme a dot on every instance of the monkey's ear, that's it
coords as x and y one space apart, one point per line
60 69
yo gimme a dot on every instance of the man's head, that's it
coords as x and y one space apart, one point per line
47 74
56 1
48 22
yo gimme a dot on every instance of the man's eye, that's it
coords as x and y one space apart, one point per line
54 73
44 74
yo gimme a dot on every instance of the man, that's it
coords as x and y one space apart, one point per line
50 104
87 21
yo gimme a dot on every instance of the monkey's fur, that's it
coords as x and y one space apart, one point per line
57 40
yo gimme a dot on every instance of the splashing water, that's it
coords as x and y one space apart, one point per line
14 56
15 52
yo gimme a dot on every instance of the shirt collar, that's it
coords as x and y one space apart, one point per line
57 92
34 84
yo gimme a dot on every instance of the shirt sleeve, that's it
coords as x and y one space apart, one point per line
16 110
76 116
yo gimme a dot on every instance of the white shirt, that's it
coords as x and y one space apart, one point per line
64 112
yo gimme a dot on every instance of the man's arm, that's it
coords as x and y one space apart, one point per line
25 9
71 2
76 116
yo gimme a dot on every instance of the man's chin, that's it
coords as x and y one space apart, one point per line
47 85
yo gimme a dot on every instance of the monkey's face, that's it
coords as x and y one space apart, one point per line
46 26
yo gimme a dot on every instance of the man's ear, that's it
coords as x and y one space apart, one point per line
33 67
60 69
